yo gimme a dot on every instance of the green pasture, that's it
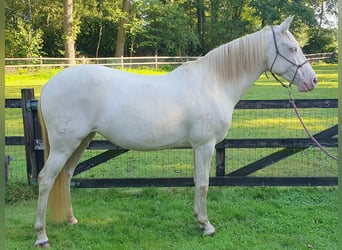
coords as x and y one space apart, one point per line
263 89
160 218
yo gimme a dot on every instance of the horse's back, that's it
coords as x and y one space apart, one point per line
79 78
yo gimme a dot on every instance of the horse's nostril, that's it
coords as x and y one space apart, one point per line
315 81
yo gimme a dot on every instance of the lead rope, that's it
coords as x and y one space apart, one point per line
291 100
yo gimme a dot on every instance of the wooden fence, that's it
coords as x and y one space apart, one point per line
151 61
241 177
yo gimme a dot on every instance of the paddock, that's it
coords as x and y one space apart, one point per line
265 146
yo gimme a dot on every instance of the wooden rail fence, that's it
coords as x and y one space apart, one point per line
151 61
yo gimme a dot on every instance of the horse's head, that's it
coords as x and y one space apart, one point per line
285 58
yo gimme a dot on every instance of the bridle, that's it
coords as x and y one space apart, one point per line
286 59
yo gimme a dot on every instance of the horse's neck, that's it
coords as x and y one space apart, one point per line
246 81
237 65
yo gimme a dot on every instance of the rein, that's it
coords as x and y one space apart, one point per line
291 99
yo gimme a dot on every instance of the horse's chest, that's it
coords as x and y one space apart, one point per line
210 125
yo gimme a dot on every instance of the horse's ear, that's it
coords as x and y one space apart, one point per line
284 26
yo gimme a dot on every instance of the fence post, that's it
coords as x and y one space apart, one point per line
156 61
32 135
220 161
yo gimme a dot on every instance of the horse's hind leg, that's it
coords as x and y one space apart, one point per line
46 178
60 154
70 168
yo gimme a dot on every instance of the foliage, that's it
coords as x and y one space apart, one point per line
160 27
23 41
165 31
96 31
321 41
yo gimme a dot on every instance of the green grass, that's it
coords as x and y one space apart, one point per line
161 218
263 89
36 78
270 89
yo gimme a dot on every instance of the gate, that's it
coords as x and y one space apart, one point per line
238 177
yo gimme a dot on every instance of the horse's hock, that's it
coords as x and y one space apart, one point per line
276 152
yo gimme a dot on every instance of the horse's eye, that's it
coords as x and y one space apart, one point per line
293 49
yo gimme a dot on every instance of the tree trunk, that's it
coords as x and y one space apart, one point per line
99 40
200 20
69 46
121 37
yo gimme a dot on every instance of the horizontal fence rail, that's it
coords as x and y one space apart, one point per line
35 146
151 61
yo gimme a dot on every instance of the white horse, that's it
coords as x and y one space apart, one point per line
190 106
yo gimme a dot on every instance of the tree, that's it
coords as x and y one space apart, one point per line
23 41
121 36
164 30
201 19
320 42
323 36
98 26
149 27
226 22
69 46
326 12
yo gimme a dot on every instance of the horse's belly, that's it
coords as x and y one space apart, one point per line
142 138
133 129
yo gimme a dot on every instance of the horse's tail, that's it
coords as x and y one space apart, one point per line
43 132
59 202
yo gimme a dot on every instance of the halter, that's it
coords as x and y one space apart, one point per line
291 100
288 60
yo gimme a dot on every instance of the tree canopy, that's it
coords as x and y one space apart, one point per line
103 28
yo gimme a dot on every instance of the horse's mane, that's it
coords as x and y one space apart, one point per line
238 56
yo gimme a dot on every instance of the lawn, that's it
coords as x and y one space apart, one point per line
161 218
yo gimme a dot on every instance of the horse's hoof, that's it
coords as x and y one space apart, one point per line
207 228
209 232
212 234
44 244
72 221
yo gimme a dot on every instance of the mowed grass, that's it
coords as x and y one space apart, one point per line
161 218
264 88
35 78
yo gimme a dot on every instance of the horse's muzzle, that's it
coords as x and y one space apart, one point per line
308 85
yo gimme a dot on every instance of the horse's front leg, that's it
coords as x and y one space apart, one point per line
203 156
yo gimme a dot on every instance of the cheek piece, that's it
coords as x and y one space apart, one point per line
298 66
